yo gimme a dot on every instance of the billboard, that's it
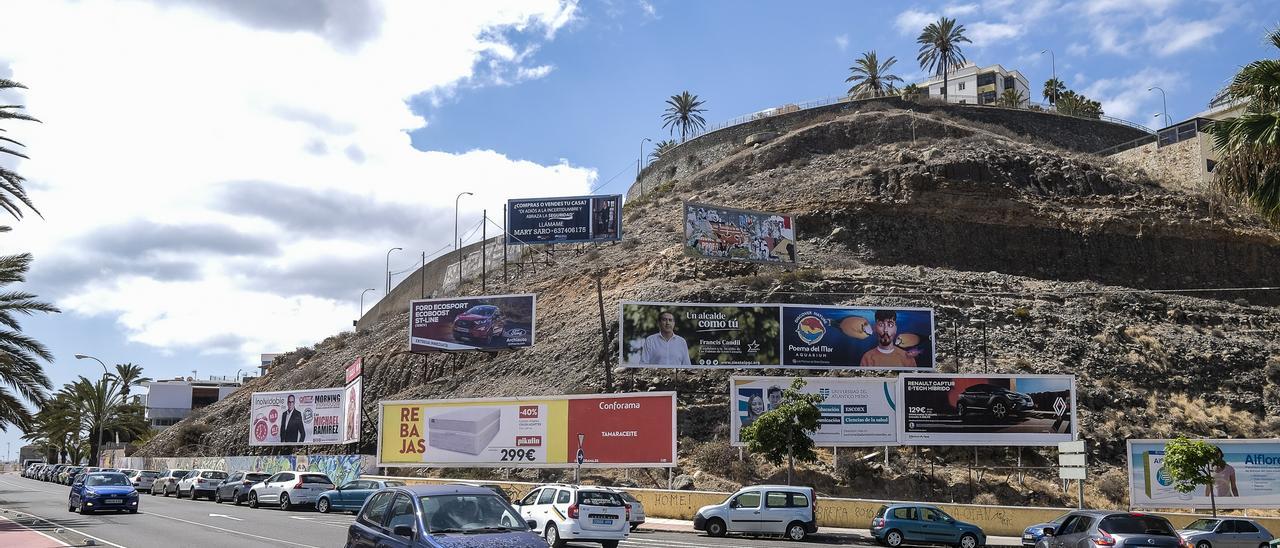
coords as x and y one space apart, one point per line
701 336
856 411
491 322
986 409
352 400
1250 479
738 234
821 337
573 219
296 417
619 430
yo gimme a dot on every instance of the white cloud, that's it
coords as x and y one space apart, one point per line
200 100
1127 96
1172 36
648 9
1076 49
1131 7
912 21
842 42
984 33
958 10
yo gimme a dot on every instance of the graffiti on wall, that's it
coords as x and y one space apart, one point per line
339 468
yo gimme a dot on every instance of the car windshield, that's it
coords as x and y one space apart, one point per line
391 483
627 496
468 513
1136 525
315 478
482 310
180 473
599 498
1203 525
149 474
95 480
213 474
256 477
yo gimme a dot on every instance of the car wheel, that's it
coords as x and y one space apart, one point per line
84 510
70 507
552 535
608 544
893 538
968 540
284 502
133 510
634 526
322 506
715 528
217 497
1000 410
796 531
253 500
236 499
1204 544
961 409
177 492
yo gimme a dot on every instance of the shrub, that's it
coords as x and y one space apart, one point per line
1114 485
193 433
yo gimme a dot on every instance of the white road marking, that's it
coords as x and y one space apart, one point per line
76 531
224 516
300 517
232 531
60 543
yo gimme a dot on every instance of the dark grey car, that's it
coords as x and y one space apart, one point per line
1111 529
236 488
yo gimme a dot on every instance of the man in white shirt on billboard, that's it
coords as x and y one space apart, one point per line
665 347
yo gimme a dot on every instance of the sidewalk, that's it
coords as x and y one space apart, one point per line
861 536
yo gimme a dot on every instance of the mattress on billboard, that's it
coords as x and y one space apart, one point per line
986 409
487 323
1250 477
468 430
856 411
718 232
699 336
823 337
573 219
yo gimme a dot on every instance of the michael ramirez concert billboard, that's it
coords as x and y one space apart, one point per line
297 417
573 219
986 409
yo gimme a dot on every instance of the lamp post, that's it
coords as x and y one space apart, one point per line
1164 105
456 242
640 160
103 416
1053 67
362 300
389 268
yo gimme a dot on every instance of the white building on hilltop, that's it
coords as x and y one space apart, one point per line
974 85
171 400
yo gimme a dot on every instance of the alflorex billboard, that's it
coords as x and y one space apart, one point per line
618 430
1249 479
699 336
491 322
856 411
986 409
738 234
573 219
297 417
822 337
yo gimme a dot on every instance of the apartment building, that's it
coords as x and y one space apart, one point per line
171 400
976 85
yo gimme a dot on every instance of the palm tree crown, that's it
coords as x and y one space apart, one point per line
1053 89
871 78
1250 143
684 113
12 194
940 48
660 148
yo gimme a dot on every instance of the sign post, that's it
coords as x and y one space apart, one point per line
581 457
1072 464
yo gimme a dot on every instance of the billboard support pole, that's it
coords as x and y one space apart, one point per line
504 245
484 243
422 277
604 338
1080 483
886 457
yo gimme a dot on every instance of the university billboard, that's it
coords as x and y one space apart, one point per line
822 337
619 430
297 417
490 322
986 409
573 219
1250 479
738 234
699 336
856 411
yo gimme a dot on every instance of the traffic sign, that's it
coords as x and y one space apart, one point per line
1072 473
1070 459
581 456
1071 446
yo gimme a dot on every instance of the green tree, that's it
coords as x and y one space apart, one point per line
684 112
911 92
12 193
784 432
660 148
1074 104
1053 89
940 48
1249 145
871 78
1191 464
1011 98
129 375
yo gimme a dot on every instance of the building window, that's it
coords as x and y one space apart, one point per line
1010 82
961 85
987 79
962 101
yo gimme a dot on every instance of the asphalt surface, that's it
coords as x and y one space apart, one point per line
34 513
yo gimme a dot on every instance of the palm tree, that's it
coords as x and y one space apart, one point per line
129 375
911 91
870 77
1249 144
683 112
660 148
20 368
1053 89
1011 98
12 194
940 48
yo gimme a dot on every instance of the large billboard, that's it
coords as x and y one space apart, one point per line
738 234
699 336
822 337
986 409
573 219
353 400
491 322
1250 479
297 417
619 430
856 411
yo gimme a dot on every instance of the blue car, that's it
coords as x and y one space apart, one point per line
1033 534
102 491
350 496
910 523
439 516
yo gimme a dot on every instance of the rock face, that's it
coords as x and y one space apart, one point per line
1059 254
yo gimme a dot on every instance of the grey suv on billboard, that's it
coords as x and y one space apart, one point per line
995 402
479 323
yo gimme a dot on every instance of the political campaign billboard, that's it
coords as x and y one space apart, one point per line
986 409
821 337
856 411
490 322
573 219
1249 479
699 336
296 417
718 232
618 430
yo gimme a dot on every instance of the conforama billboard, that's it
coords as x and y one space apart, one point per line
618 430
986 409
490 322
573 219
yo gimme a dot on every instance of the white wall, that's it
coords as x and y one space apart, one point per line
169 396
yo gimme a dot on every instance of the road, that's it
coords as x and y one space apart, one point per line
168 523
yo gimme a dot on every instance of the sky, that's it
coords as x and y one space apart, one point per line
218 179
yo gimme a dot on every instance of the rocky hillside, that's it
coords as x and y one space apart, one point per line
1065 258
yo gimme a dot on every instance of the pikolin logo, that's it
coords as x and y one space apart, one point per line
811 327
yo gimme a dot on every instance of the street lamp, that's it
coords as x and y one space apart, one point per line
362 300
389 267
103 416
640 160
456 242
1053 66
1164 105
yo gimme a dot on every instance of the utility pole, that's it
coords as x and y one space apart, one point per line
484 243
604 339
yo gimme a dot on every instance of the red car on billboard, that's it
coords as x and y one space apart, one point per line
479 323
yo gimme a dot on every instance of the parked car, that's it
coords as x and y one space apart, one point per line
577 513
287 489
235 488
898 524
351 495
51 474
102 491
1226 533
762 510
437 516
1032 535
490 486
479 323
167 482
200 482
69 474
1111 528
637 510
142 479
995 402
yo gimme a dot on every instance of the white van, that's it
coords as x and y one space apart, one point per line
762 510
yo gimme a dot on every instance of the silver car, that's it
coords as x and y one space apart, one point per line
636 515
1109 528
1226 533
288 489
142 479
200 482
